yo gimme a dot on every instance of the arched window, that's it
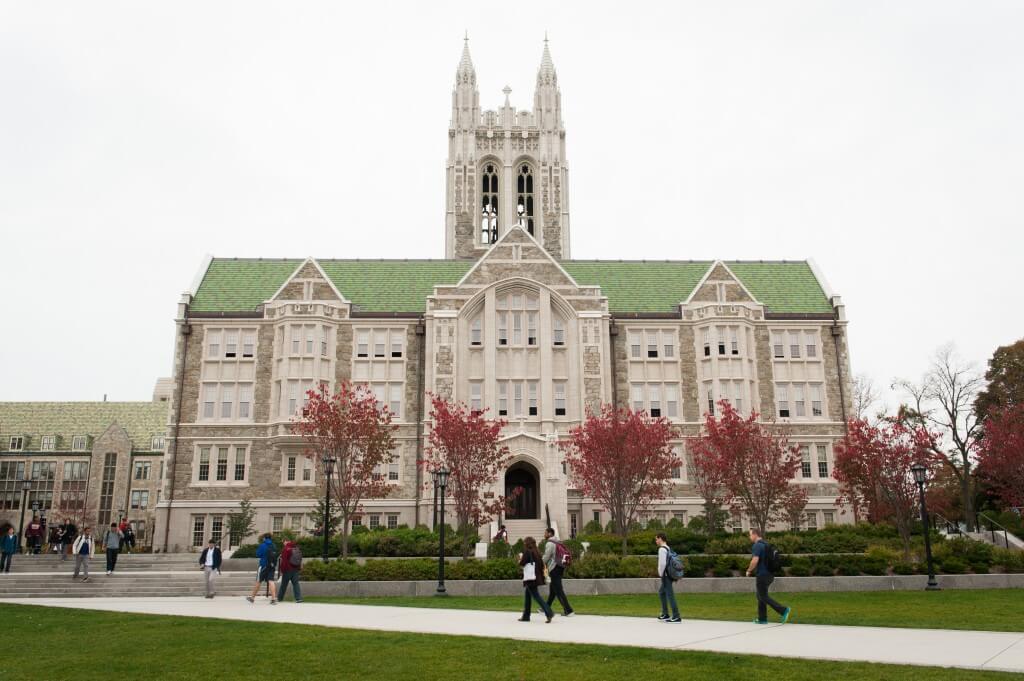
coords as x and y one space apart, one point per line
489 205
524 199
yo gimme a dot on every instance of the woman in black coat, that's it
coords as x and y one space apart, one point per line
533 577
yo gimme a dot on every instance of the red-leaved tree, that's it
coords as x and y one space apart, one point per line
707 479
622 459
754 462
1001 453
355 431
466 443
873 469
794 505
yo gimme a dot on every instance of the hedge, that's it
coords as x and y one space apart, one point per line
399 542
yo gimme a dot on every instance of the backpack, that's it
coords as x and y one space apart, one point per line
772 558
271 557
674 565
295 559
563 556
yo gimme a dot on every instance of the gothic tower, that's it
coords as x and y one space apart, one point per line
506 167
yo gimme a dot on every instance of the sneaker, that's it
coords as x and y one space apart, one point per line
108 573
209 595
85 579
273 602
250 599
676 619
298 601
663 618
550 617
567 614
760 621
523 619
786 614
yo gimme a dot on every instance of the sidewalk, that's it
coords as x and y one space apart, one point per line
996 651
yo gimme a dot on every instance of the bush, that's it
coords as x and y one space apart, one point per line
903 568
800 567
1008 560
953 566
593 527
400 542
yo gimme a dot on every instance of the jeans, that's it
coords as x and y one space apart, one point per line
667 595
111 559
81 564
557 591
530 591
764 600
5 561
62 550
293 577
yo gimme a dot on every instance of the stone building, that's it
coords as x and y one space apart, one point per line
507 322
92 462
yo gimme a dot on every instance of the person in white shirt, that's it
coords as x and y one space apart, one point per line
666 592
84 549
209 562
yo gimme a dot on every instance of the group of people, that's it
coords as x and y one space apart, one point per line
556 558
64 537
287 565
83 548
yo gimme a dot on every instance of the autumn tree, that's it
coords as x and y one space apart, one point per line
872 466
865 397
943 402
623 459
754 461
1005 380
355 431
1001 454
707 479
794 504
465 442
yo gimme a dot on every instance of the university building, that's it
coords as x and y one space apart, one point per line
508 322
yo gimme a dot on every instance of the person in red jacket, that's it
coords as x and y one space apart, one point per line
34 535
291 566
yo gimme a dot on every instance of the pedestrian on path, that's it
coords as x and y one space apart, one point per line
8 547
265 573
129 537
556 558
122 527
209 561
760 563
34 535
84 549
68 534
666 592
291 566
112 542
533 576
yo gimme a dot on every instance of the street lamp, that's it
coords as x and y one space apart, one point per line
328 462
920 472
25 487
441 481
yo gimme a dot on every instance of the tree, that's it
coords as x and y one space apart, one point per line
317 516
865 396
355 431
707 480
755 463
1001 454
794 504
623 459
943 401
872 466
1005 376
241 523
465 442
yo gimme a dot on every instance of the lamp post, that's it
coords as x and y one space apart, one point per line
435 501
25 487
920 472
441 481
328 462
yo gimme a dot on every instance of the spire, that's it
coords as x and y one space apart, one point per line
466 63
546 73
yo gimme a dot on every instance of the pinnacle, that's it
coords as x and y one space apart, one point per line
466 63
547 66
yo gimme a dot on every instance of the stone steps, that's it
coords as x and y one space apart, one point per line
119 584
520 529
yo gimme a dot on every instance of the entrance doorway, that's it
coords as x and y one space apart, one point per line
522 490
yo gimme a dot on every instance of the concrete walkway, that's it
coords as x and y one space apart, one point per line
931 647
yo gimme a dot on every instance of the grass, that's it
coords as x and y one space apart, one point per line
982 609
53 644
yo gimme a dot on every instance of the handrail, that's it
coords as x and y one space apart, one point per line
992 524
951 527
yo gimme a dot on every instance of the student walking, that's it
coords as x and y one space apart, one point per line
265 573
8 547
112 542
533 576
34 535
556 557
67 537
666 592
209 561
84 549
759 564
291 566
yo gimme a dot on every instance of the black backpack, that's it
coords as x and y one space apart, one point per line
772 558
295 557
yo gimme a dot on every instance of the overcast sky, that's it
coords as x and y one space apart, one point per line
882 139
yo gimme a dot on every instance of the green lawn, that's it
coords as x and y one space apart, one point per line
987 610
48 644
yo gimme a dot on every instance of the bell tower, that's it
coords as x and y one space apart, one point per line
506 168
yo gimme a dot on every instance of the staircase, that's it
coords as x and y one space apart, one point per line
520 529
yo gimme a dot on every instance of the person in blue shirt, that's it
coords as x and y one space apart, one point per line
764 579
267 554
9 546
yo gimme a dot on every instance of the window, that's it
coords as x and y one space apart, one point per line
502 398
393 471
829 517
778 346
574 522
597 517
794 344
277 522
291 468
392 521
812 520
558 332
231 344
707 342
798 400
17 443
524 198
737 397
672 401
652 344
517 398
711 401
531 328
295 521
822 461
669 344
239 464
805 461
107 488
11 475
363 344
489 204
395 401
378 347
293 397
721 341
782 396
248 344
816 400
634 345
323 342
517 328
396 345
307 470
244 401
737 524
48 443
73 485
637 397
811 339
532 389
734 341
476 334
222 463
654 391
503 328
139 499
198 530
227 401
213 344
80 443
677 470
356 521
559 398
204 464
209 393
374 521
157 443
142 469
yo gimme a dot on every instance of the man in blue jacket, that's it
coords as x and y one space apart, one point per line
8 547
265 575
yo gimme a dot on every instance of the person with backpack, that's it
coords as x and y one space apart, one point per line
291 566
209 562
669 570
765 559
84 549
533 576
9 546
265 573
113 544
557 558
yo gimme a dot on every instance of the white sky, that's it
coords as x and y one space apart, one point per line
882 139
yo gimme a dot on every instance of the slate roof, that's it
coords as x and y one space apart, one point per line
402 286
141 420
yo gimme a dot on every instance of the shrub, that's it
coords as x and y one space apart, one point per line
954 566
593 527
800 567
1008 560
903 568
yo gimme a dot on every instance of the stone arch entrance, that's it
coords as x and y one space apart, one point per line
526 504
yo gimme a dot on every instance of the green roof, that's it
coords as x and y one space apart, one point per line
391 286
141 420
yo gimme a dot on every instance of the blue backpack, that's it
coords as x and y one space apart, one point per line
674 565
